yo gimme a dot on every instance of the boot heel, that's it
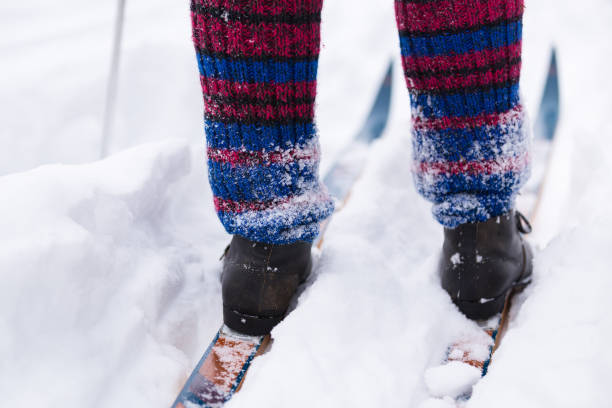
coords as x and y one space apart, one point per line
484 309
249 325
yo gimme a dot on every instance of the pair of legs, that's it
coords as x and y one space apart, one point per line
258 68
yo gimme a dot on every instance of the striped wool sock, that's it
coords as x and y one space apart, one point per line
258 67
462 61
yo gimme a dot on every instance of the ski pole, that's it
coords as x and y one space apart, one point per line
111 90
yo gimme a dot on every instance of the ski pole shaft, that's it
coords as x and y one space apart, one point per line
111 90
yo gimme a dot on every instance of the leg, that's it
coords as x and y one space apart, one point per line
258 65
462 61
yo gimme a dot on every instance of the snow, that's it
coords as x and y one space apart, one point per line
446 402
456 258
452 379
110 269
94 274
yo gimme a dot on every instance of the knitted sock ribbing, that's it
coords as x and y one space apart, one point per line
462 61
258 67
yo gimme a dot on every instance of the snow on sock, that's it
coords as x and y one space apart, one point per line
462 61
258 67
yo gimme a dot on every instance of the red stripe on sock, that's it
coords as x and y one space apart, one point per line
281 92
238 207
267 7
454 14
512 164
249 158
465 81
256 40
461 122
471 60
253 112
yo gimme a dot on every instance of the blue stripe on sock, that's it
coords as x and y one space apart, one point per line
461 43
496 100
256 138
260 183
469 144
256 71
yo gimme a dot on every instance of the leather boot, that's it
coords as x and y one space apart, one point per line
259 281
483 261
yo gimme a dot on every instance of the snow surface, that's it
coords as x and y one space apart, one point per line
109 270
452 379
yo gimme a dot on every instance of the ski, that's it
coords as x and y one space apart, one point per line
345 171
544 136
477 349
223 367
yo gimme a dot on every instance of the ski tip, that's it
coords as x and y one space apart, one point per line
552 65
376 120
221 370
389 74
548 113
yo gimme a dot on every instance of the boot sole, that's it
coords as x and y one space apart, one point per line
482 310
248 324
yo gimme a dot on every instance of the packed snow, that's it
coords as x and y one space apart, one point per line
109 269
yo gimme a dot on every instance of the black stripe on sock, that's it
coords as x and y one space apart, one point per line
258 101
230 15
463 71
256 58
259 122
464 90
451 31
